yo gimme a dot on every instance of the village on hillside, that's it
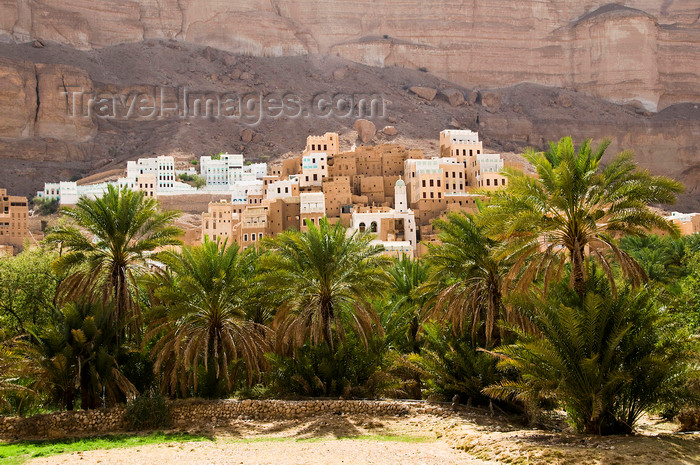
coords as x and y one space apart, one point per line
393 191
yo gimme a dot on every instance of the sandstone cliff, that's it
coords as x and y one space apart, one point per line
40 141
632 50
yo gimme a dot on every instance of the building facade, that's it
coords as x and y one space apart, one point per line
14 221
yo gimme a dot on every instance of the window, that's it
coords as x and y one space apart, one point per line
431 183
315 177
488 182
495 182
438 183
424 183
432 195
252 237
373 226
423 194
245 237
362 227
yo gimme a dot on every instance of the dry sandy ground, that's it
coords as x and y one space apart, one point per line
469 437
346 452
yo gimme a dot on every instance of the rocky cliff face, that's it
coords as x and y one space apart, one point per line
632 50
41 140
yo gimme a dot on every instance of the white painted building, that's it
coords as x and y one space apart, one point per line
240 191
400 221
162 167
314 169
312 202
459 136
283 188
259 170
225 170
312 207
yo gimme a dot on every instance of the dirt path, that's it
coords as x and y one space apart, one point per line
467 438
330 451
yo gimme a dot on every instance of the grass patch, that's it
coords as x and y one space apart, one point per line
19 452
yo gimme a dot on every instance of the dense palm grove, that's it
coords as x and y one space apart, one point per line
554 296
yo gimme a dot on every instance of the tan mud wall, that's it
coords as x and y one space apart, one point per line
197 414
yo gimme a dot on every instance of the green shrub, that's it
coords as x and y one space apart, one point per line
351 370
45 206
148 412
604 360
456 366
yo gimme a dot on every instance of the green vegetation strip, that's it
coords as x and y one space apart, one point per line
20 452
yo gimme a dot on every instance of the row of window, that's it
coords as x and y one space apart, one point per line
372 227
252 237
464 152
495 182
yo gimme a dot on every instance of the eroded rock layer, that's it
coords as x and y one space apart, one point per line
630 50
45 136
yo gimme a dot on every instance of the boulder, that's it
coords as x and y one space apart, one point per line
454 96
390 131
565 100
427 93
339 74
365 130
247 135
491 100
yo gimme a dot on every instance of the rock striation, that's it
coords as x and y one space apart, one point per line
41 141
643 51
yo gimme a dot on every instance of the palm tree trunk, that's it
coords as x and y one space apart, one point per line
327 322
578 271
87 401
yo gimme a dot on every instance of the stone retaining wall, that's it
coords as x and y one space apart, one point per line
187 414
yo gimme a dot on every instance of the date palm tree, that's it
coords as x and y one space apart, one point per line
574 209
105 246
326 280
604 361
79 355
402 313
466 279
204 294
15 363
